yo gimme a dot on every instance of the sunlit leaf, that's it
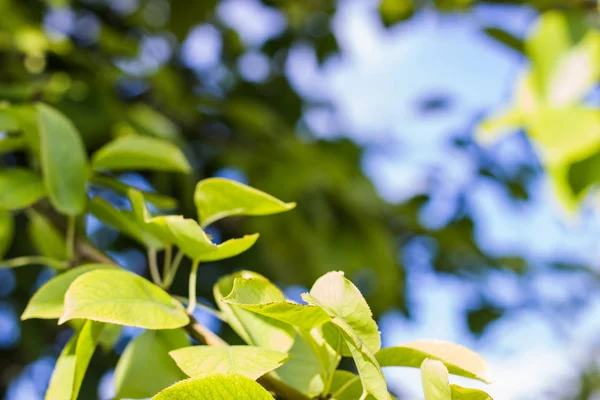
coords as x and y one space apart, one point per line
7 228
255 295
19 188
218 198
215 387
254 329
123 298
249 361
346 386
145 367
458 359
110 336
462 393
230 248
64 161
341 299
137 152
435 380
73 362
48 301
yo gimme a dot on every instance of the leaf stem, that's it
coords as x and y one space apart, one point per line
166 264
70 237
153 266
174 267
192 287
32 260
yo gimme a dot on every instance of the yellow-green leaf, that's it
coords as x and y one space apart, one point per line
73 362
254 329
19 188
249 361
435 380
255 295
215 387
47 302
458 359
123 298
218 198
462 393
347 386
64 161
186 234
341 299
145 367
137 152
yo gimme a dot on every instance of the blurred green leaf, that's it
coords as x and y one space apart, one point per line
7 230
48 241
137 152
145 367
64 161
19 188
506 38
435 380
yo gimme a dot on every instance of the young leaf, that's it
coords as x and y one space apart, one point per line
73 362
7 229
215 387
255 294
254 329
137 152
47 302
350 313
145 367
217 198
340 298
435 380
458 359
48 241
193 241
123 298
461 393
125 222
249 361
19 188
64 161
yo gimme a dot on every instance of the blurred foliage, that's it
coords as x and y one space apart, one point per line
115 68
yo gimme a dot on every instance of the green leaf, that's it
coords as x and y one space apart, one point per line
109 337
499 125
159 200
458 359
7 230
303 369
394 11
48 241
73 362
215 387
461 393
254 329
506 39
346 386
123 298
563 136
125 222
145 367
137 152
251 362
47 302
255 295
218 198
435 380
342 300
193 241
352 316
64 161
12 143
19 188
549 41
